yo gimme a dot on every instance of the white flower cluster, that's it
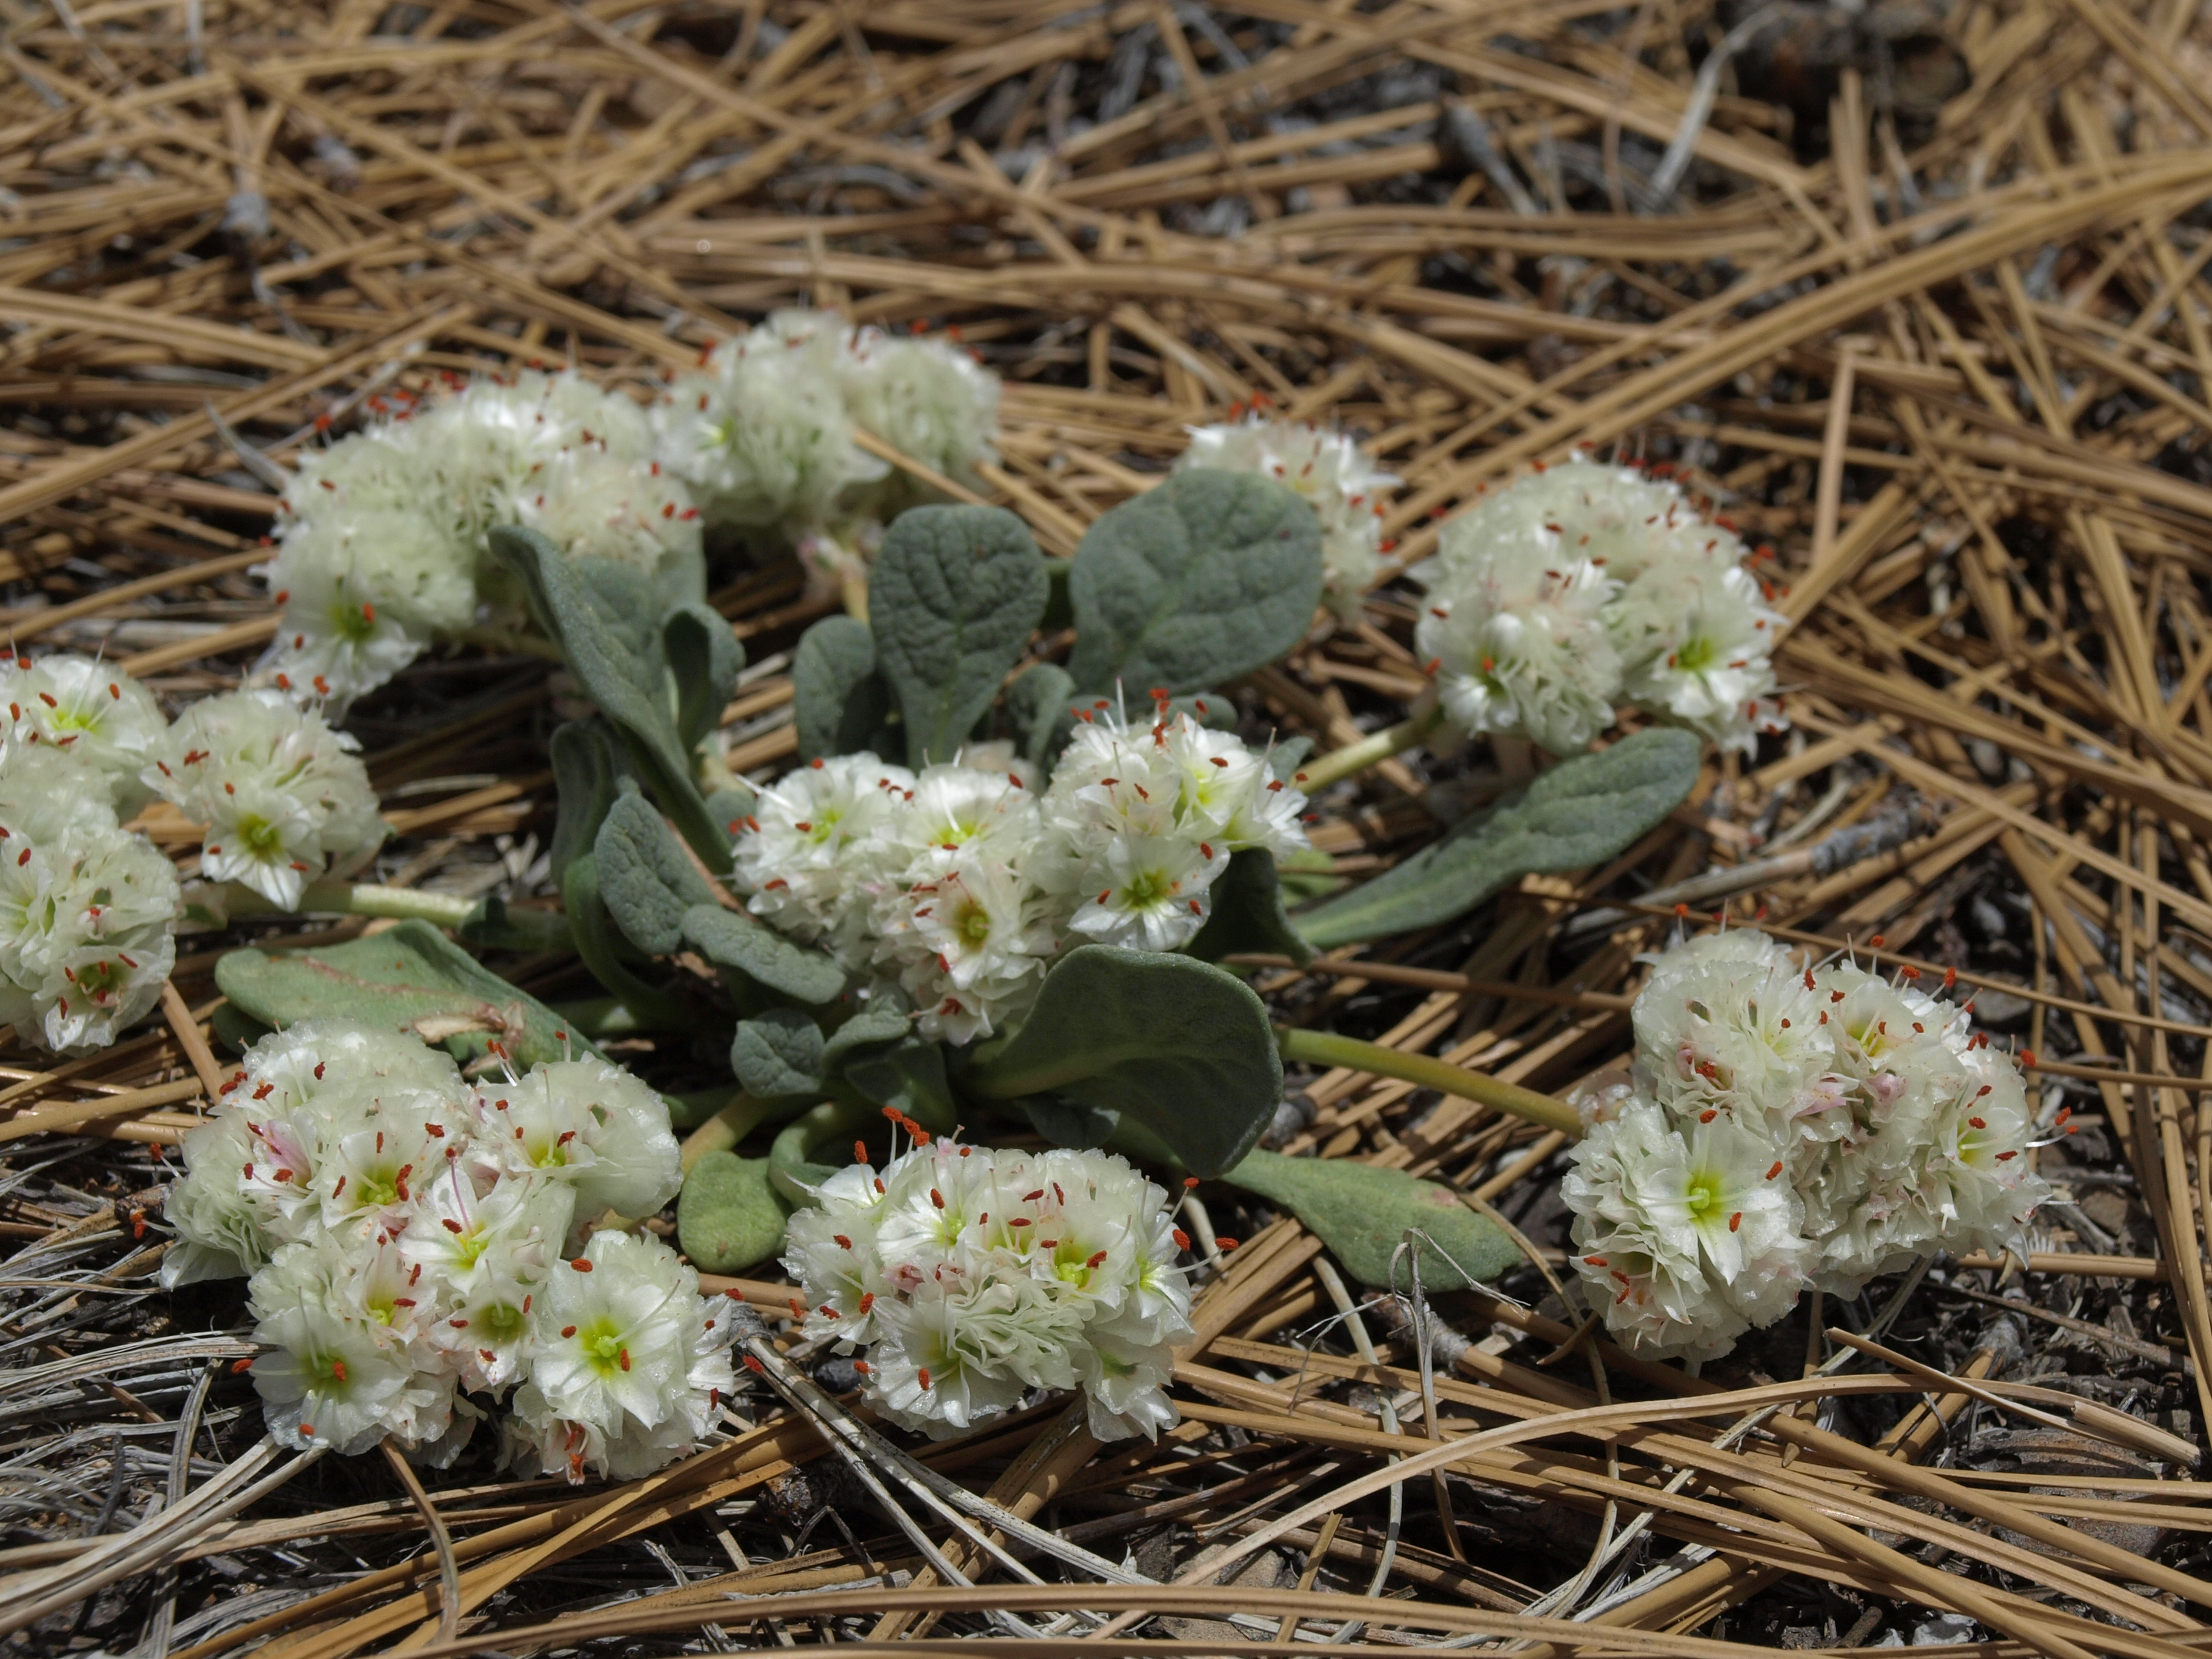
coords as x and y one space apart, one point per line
762 430
1343 486
1788 1125
284 797
87 909
971 1276
963 883
1584 586
413 1239
381 545
99 716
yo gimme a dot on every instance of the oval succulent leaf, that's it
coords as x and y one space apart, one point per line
1178 1046
1363 1213
730 1216
1206 576
777 1053
1580 813
954 595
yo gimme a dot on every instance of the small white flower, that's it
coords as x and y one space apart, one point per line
87 910
335 1380
1329 469
99 716
284 797
1518 643
589 1126
926 398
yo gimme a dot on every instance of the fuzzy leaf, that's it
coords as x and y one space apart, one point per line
734 940
884 1020
704 659
778 1053
600 945
644 879
955 594
908 1075
411 977
588 767
1178 1046
1037 704
1361 1213
730 1216
840 701
1205 576
606 619
1248 914
1581 812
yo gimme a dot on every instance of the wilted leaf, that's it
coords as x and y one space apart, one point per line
730 1216
840 703
954 596
1362 1212
1178 1046
411 977
1581 812
1208 575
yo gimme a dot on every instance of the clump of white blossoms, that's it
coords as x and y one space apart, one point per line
415 1239
963 885
87 909
1582 586
971 1276
1329 469
284 797
99 716
763 431
1789 1126
380 546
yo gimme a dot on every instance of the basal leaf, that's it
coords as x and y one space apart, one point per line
778 1053
954 596
1362 1212
411 977
883 1020
1248 914
733 940
588 767
908 1075
1581 812
1207 575
730 1216
644 879
1038 705
704 659
606 619
1178 1046
600 945
841 703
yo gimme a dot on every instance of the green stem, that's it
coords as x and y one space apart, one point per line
723 1131
1327 1048
398 903
789 1158
1338 764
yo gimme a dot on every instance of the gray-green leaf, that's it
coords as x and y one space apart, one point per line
1178 1046
1037 704
588 767
730 1216
778 1053
1248 914
955 594
643 877
1361 1213
704 659
734 941
1581 812
1207 575
411 977
597 942
606 620
840 702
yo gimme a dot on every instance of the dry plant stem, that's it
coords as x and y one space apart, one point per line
1326 1048
1319 773
441 1540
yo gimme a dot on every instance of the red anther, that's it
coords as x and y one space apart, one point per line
2005 1156
1189 1181
923 1376
797 1308
1978 1123
1709 1115
1736 1221
580 1264
1950 978
1682 912
843 1243
1775 1170
1910 972
1593 1261
1097 1261
2027 1058
622 1357
1876 941
454 1227
1224 1245
755 1366
867 1301
1182 1238
936 1198
239 1367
